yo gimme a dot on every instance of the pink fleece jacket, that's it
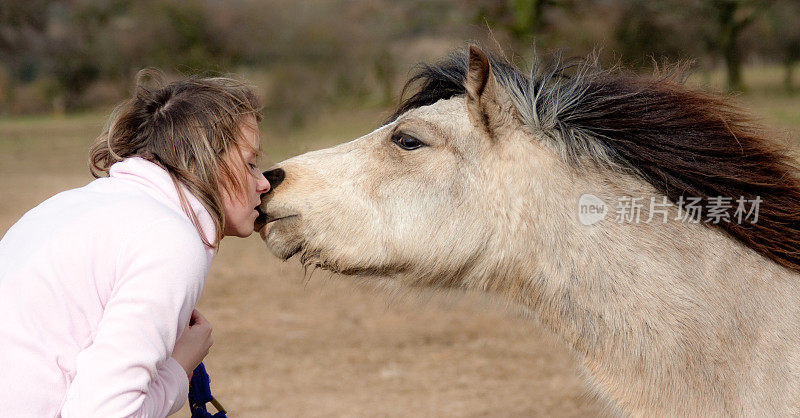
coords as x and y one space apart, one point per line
96 284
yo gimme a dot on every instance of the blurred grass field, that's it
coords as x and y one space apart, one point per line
766 98
292 345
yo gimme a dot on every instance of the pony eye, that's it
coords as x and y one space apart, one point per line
407 142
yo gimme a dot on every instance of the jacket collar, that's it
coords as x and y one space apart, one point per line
156 182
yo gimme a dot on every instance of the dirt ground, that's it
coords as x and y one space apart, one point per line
292 345
327 347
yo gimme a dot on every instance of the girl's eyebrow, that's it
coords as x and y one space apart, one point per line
257 152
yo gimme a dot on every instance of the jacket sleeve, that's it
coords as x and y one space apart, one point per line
127 370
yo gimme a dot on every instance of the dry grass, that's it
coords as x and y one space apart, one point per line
287 346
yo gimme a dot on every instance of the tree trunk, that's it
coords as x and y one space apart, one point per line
788 76
536 15
527 16
728 32
384 73
733 65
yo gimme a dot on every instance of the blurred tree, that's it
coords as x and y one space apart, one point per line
783 33
527 16
73 52
385 73
23 26
522 19
648 30
308 55
731 18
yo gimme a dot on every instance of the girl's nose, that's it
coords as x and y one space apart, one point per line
262 184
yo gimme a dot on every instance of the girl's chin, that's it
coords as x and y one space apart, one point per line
243 231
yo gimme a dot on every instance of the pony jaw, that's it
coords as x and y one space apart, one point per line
282 236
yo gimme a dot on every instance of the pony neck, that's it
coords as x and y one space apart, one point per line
650 305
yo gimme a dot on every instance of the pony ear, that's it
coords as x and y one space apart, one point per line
487 104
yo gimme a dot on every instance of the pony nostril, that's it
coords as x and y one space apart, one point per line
275 176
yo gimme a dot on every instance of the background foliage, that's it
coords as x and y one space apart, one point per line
306 56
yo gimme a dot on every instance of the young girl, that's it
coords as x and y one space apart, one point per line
98 284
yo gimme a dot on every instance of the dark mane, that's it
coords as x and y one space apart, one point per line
685 143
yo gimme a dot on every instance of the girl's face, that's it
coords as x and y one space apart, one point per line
240 207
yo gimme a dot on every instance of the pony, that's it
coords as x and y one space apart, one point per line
492 179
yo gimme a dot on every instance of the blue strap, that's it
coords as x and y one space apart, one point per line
200 394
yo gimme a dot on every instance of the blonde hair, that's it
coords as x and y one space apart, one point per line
186 127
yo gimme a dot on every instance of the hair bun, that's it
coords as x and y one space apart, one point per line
150 90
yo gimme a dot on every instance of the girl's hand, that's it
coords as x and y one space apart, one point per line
193 344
